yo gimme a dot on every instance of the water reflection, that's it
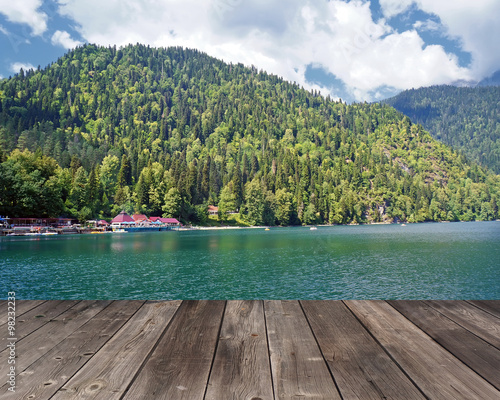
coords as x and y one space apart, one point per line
417 261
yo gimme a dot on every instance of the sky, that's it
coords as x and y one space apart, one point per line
358 50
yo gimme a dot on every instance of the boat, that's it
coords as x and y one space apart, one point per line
119 230
49 233
313 228
266 229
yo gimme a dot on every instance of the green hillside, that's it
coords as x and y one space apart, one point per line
468 119
169 131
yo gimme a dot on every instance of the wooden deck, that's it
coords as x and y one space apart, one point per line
254 350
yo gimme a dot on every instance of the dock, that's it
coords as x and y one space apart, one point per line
252 349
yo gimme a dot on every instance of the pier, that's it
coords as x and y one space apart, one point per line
253 349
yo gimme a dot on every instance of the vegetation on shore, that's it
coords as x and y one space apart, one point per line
170 131
465 118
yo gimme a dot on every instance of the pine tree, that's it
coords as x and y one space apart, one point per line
227 202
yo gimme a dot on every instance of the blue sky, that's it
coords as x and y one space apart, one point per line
355 50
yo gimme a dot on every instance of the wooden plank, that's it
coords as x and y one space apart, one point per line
490 306
437 373
22 306
35 318
180 365
470 349
359 365
475 320
298 367
241 367
107 375
35 345
45 376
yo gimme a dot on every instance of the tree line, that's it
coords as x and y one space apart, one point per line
464 118
170 131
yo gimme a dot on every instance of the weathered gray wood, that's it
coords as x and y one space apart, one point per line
36 317
359 365
180 365
241 369
35 345
45 376
490 306
437 373
73 344
108 374
470 349
22 306
475 320
298 367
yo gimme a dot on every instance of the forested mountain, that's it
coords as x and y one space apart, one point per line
169 131
468 119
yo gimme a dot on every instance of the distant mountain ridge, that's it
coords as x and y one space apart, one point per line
466 118
493 80
169 131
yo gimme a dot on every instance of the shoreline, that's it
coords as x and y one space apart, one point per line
216 228
208 228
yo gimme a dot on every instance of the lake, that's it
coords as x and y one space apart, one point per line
417 261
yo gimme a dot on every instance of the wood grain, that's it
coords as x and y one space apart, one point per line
202 349
359 365
477 321
22 306
36 317
470 349
45 376
298 367
241 368
437 373
180 365
108 374
38 343
490 306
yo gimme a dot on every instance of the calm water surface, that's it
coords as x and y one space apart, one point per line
418 261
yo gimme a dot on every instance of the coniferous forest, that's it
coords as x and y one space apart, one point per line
467 119
170 131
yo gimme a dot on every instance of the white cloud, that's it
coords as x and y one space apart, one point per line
428 25
63 38
337 35
391 8
25 12
16 67
476 26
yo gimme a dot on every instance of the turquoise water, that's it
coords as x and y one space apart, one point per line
418 261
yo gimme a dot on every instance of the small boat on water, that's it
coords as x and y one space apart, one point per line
266 229
119 230
313 228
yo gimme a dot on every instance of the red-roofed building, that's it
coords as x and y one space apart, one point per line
165 221
171 221
213 210
122 219
138 218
